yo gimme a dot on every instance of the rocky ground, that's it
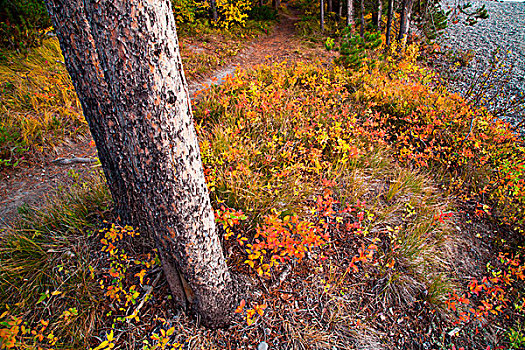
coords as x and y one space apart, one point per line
501 37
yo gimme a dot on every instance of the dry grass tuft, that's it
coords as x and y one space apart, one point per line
38 105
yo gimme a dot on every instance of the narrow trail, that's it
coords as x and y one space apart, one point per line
32 183
280 45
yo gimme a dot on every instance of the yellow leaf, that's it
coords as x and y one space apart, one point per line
140 275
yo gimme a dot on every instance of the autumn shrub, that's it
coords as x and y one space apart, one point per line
284 149
186 11
327 174
469 149
39 107
230 13
70 279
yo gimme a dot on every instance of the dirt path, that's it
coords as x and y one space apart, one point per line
31 183
280 45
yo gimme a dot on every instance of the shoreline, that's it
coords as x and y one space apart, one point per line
494 47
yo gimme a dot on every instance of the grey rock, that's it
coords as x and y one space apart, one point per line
262 346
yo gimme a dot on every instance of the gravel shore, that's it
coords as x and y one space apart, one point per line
504 29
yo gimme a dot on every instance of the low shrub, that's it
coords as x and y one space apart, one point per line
23 23
263 13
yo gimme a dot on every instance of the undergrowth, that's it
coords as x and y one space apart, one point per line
39 108
338 195
38 104
48 292
301 138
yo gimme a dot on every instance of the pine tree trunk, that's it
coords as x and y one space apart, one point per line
390 16
213 5
329 5
401 20
379 14
277 4
124 61
362 18
340 10
350 14
406 12
322 15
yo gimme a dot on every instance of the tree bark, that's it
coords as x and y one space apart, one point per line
390 16
322 15
362 18
124 61
213 5
350 14
406 11
379 14
329 6
340 10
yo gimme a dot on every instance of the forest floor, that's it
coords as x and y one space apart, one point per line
30 182
375 184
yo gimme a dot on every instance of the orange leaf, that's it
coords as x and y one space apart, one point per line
239 308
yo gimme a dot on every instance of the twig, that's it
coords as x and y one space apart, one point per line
282 277
149 290
67 161
466 137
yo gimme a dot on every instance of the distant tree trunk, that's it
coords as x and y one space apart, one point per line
277 4
390 16
401 20
379 14
406 11
340 10
123 58
322 15
213 5
350 14
329 5
362 18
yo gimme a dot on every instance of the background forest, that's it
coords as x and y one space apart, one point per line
365 205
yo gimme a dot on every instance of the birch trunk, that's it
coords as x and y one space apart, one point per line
123 58
379 14
362 18
350 14
322 15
